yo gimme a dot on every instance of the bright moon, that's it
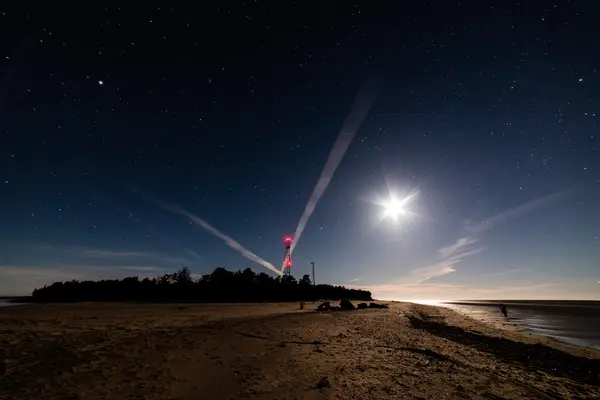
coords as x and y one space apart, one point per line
394 208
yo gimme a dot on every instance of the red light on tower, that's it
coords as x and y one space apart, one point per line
287 256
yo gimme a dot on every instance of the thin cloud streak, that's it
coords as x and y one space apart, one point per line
355 280
467 246
433 272
416 282
193 254
104 253
450 256
142 269
494 220
460 244
507 272
128 254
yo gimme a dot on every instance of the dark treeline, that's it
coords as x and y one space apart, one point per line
220 286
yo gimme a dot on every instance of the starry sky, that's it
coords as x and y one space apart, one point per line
137 140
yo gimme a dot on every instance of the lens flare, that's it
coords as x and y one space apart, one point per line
395 208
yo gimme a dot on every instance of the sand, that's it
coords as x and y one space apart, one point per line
276 351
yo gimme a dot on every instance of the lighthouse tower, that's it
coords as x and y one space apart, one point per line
287 256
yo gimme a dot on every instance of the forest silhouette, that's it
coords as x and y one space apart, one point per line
219 286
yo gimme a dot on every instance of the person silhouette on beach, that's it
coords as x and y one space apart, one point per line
503 309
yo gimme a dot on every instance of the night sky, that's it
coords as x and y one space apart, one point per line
123 130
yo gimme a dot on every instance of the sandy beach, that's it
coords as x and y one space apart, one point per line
276 351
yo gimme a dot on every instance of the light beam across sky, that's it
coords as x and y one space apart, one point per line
362 104
225 238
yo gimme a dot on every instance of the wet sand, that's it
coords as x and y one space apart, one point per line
269 351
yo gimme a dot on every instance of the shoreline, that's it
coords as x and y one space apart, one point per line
521 330
518 324
511 330
179 351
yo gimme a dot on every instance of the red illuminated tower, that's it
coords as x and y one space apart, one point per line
287 256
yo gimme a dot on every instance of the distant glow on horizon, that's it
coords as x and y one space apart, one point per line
426 302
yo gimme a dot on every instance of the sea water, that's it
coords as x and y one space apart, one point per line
4 302
574 322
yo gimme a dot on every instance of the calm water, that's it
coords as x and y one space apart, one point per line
4 303
575 322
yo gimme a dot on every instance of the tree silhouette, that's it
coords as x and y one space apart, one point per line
183 276
305 280
219 286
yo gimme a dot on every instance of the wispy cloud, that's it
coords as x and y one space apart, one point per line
193 254
492 221
426 273
355 280
141 268
97 253
449 256
506 272
467 246
416 282
460 244
177 260
107 253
